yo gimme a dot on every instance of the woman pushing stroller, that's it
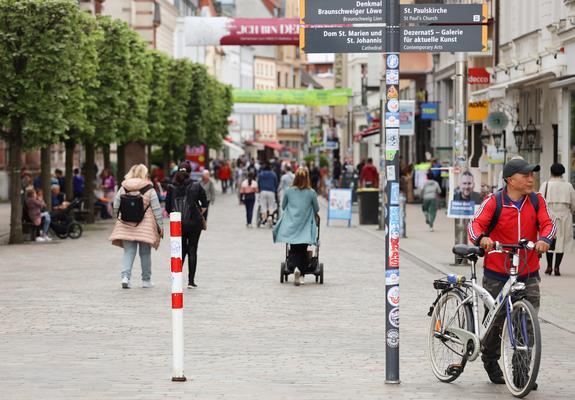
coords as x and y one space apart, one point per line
297 225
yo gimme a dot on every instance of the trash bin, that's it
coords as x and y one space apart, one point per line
368 202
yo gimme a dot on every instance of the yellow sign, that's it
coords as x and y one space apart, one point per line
478 110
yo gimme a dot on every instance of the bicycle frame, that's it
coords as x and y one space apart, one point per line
494 305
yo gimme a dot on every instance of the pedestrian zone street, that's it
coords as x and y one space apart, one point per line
68 330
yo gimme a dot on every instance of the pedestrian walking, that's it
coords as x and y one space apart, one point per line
285 182
429 193
210 189
248 191
369 176
267 185
560 197
297 225
142 235
225 176
190 199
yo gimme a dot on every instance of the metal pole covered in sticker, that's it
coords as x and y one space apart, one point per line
392 203
177 297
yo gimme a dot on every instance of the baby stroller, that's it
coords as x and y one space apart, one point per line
313 267
63 223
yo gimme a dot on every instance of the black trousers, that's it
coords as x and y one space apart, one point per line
190 248
491 348
298 255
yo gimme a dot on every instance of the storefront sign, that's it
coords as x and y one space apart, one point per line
430 111
328 97
478 110
216 31
478 76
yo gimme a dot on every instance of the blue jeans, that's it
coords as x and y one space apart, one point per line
46 219
130 249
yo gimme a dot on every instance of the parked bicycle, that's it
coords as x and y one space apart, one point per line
456 335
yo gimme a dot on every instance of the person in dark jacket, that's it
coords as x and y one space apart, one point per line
192 225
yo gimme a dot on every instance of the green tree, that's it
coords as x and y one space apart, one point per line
38 44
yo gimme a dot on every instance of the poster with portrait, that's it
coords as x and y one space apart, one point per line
464 192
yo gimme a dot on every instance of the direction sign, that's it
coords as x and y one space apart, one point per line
425 14
342 11
443 38
343 40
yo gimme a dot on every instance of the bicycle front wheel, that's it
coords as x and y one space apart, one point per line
521 348
447 356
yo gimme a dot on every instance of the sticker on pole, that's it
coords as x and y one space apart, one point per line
394 198
392 277
393 338
392 77
394 317
392 61
176 248
393 296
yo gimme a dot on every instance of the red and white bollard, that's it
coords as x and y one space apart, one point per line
177 297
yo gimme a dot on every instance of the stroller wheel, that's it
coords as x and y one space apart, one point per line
282 272
75 230
321 273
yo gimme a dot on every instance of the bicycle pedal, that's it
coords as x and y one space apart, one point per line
454 369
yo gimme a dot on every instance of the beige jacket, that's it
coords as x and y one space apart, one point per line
560 197
147 231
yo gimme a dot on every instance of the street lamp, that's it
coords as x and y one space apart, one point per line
485 137
497 139
531 132
518 135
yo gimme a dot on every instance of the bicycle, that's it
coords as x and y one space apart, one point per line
455 334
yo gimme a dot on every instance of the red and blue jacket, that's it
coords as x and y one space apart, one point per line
514 224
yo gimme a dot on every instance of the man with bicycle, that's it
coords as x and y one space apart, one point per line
515 212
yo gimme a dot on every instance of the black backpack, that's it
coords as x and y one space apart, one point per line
499 205
180 204
132 205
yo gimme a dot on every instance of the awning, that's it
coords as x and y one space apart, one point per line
367 132
233 147
274 145
563 82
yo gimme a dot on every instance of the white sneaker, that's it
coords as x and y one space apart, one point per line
125 283
47 238
302 280
147 284
296 277
40 239
430 229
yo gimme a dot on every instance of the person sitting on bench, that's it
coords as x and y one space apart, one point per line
34 205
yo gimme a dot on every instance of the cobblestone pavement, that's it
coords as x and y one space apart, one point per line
69 331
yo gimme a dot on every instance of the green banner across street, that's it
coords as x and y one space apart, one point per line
332 97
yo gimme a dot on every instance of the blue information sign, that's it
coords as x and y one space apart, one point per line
429 111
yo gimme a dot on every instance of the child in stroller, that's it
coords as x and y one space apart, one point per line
63 223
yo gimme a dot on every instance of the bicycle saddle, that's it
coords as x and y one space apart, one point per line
465 251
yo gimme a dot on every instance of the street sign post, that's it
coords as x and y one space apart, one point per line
336 12
443 38
343 40
425 14
430 28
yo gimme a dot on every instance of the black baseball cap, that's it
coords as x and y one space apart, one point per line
519 166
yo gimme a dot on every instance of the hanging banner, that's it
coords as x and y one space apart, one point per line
406 117
331 97
219 31
478 76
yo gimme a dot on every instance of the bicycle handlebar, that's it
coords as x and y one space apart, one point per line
523 244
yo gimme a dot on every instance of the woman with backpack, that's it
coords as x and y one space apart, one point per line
248 191
560 198
188 198
139 225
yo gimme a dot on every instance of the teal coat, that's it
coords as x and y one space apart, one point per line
297 223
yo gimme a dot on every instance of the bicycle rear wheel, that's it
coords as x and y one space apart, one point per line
446 356
521 348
